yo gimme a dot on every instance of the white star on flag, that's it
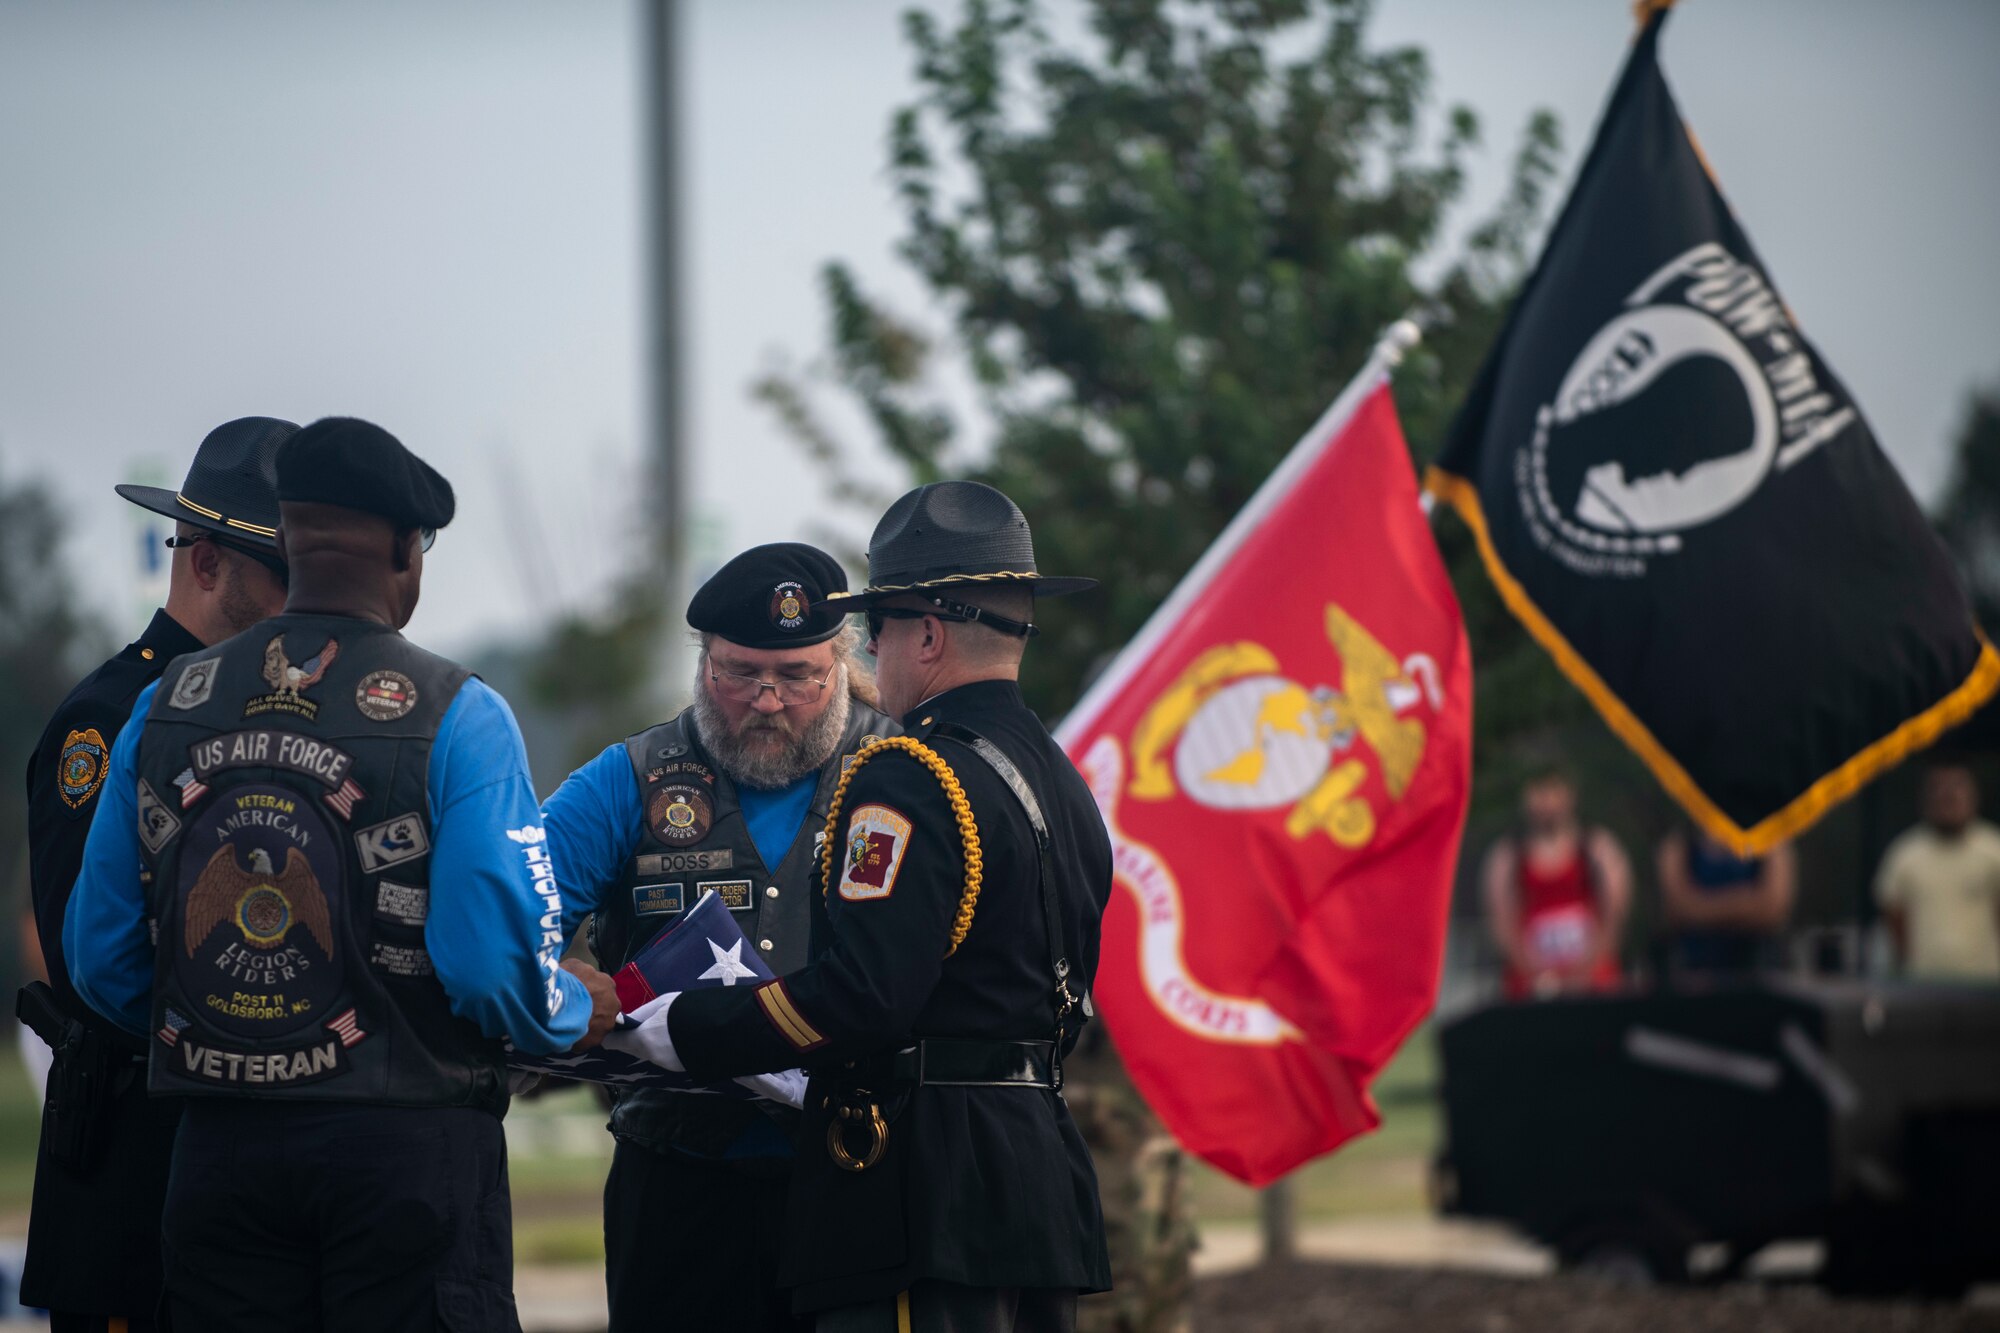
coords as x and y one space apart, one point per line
728 964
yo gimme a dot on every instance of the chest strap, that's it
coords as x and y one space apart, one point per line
997 760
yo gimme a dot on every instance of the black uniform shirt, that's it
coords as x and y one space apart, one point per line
65 773
94 1236
980 1186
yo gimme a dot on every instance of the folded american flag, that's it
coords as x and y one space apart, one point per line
704 948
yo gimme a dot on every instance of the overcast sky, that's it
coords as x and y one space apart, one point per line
428 214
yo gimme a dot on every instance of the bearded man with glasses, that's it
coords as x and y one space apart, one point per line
730 797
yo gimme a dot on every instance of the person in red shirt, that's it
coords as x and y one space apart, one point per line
1557 893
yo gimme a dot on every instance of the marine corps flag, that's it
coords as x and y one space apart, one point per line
1681 502
1282 757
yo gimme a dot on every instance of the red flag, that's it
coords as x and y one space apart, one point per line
1283 758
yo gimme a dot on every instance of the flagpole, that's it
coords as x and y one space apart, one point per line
1387 354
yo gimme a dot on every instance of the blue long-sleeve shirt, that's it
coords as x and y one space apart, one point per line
595 821
486 932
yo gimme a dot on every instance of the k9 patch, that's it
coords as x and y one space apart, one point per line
156 822
877 836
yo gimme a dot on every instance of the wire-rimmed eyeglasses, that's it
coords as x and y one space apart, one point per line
792 691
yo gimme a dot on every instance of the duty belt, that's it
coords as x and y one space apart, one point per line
934 1062
954 1062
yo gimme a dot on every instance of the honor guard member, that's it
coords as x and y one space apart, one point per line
941 1183
321 890
730 797
101 1172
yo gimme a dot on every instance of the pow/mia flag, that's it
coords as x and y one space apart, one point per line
1681 502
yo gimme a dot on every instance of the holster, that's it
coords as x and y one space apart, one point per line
91 1070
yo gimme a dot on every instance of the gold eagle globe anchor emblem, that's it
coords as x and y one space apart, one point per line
1244 736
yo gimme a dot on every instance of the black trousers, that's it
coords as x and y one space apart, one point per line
94 1236
59 1322
946 1307
294 1216
692 1245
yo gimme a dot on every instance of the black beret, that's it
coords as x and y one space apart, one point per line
357 465
772 597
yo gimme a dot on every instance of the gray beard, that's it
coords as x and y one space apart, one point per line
762 767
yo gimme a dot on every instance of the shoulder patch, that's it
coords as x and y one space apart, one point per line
80 767
877 837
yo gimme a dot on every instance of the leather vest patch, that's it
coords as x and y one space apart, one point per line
290 859
677 812
259 954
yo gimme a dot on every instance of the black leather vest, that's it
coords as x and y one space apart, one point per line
695 838
285 822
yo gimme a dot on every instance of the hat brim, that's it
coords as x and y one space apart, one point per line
169 504
1037 584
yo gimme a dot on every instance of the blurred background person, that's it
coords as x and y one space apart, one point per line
1939 885
1557 894
1724 916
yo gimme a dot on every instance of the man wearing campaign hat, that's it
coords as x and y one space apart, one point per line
321 894
940 1182
101 1170
730 798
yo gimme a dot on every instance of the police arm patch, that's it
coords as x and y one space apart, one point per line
877 837
81 765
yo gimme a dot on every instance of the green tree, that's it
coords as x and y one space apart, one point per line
1161 258
1969 516
1162 252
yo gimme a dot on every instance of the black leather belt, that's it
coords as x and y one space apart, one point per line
961 1062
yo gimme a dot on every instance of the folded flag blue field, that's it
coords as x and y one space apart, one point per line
704 948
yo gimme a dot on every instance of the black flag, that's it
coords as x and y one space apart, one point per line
1681 502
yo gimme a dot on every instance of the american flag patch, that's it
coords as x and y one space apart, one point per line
344 799
170 1031
347 1027
192 788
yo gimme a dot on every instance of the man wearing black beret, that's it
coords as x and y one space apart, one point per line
941 1182
101 1173
729 797
334 836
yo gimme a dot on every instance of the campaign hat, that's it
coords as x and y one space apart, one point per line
955 534
231 486
773 596
355 464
